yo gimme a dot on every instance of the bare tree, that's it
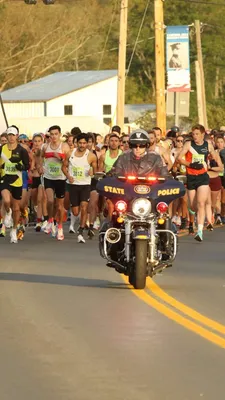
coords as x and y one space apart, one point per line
44 39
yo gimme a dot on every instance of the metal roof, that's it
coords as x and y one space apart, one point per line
55 85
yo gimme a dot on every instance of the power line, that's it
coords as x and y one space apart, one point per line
112 49
136 41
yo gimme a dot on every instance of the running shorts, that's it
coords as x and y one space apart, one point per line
58 186
36 182
16 191
79 193
195 181
215 184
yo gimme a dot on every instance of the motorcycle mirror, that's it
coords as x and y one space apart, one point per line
99 175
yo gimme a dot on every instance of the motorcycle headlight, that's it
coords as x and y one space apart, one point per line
141 207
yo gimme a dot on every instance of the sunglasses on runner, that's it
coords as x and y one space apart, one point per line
135 146
125 141
23 141
180 141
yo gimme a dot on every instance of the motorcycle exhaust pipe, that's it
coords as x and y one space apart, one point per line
113 235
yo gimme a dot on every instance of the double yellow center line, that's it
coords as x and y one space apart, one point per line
181 313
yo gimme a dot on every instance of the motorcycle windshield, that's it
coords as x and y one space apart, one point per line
115 189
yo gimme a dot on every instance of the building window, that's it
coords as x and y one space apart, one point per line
107 109
107 121
68 110
126 120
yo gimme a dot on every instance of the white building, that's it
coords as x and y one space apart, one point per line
63 94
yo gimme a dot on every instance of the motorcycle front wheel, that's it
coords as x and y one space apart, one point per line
139 274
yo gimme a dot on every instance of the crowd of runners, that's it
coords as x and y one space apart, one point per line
51 177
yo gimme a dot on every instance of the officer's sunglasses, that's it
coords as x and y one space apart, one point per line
135 146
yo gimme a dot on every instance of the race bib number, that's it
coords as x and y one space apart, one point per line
10 169
54 169
183 169
198 158
78 172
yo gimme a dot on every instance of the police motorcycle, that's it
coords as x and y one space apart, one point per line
140 240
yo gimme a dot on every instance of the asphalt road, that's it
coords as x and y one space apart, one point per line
73 329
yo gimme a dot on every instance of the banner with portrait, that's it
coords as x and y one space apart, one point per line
178 59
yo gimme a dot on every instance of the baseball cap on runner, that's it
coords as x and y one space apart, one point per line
23 136
116 128
12 131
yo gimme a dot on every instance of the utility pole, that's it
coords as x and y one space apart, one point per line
122 64
199 93
177 107
160 66
201 70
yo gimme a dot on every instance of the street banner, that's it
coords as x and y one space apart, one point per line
178 60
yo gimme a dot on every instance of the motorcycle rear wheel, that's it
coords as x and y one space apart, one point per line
139 274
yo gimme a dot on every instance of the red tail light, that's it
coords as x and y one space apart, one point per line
152 179
131 178
121 206
162 208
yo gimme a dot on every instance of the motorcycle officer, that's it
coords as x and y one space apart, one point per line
139 161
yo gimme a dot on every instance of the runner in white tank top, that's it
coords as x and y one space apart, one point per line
52 164
160 150
53 154
79 166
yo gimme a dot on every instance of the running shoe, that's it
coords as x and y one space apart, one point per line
199 236
183 223
178 221
209 227
2 230
45 223
191 230
48 228
60 235
97 224
38 227
174 219
20 232
219 220
54 230
71 229
80 238
13 236
25 216
8 219
91 233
